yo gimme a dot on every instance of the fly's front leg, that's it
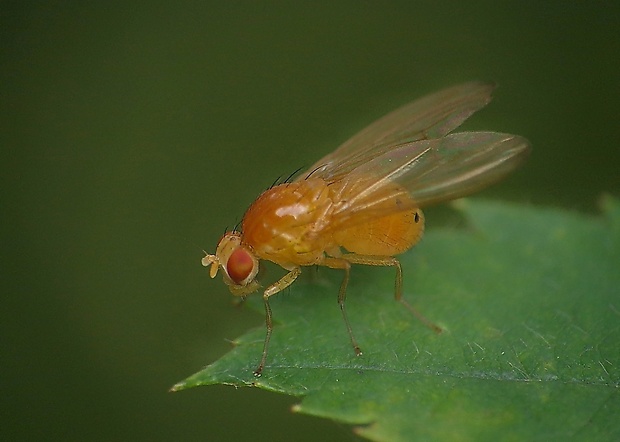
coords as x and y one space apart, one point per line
338 263
274 288
390 261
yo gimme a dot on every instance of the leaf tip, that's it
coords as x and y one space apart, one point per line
178 387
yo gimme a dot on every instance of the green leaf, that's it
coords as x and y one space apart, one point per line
530 302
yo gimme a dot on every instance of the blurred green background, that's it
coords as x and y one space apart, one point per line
133 133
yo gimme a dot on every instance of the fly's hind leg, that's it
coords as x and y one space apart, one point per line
390 261
339 263
274 288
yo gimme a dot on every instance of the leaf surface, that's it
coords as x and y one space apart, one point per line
530 302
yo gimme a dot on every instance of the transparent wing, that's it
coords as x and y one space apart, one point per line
432 116
425 172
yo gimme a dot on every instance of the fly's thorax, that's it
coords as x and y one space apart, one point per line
286 223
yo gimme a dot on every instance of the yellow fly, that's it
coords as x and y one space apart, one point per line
365 197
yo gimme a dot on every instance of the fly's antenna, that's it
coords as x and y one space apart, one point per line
213 261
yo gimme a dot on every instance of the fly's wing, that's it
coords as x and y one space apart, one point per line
425 172
432 116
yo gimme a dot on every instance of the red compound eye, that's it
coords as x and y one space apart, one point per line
239 265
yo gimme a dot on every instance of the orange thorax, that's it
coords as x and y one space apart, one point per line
286 223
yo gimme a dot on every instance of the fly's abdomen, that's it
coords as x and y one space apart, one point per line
386 236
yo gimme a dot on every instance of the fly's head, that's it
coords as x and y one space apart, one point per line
238 262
